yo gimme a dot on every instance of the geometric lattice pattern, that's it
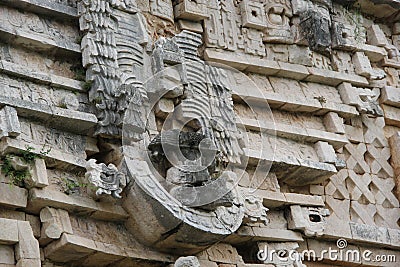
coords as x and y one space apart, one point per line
368 179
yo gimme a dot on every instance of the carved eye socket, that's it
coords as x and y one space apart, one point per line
254 13
344 35
315 218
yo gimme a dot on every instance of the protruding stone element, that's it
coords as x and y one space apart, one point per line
376 36
55 222
278 254
278 14
363 67
311 221
9 123
191 10
108 179
325 152
315 23
253 15
361 98
113 56
254 210
390 96
37 171
334 123
15 197
27 248
189 261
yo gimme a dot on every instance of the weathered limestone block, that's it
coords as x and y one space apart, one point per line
34 221
13 196
27 248
311 221
55 222
325 152
334 123
12 214
390 96
191 10
190 261
41 198
374 53
6 255
376 36
392 115
369 233
9 123
9 233
301 55
363 67
361 98
73 248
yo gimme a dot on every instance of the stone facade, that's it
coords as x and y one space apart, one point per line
194 133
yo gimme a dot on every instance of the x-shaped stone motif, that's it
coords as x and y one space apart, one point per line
378 160
363 214
355 158
358 187
336 186
373 131
382 189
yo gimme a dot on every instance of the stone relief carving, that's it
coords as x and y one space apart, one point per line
107 179
311 221
191 10
278 14
162 9
315 25
205 90
113 57
190 152
253 14
12 19
255 210
365 100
